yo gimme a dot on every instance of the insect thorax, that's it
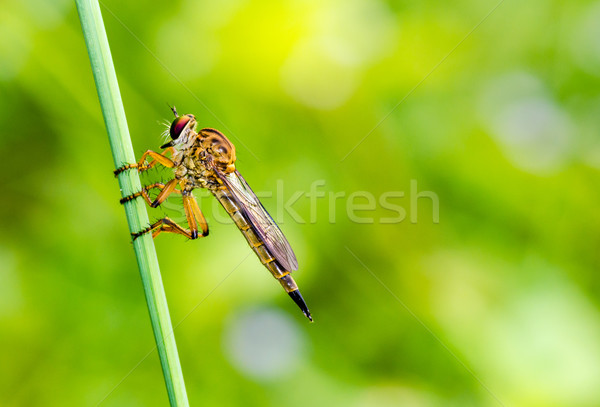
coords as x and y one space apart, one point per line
200 163
217 148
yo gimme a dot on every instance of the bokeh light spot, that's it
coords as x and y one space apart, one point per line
532 130
264 344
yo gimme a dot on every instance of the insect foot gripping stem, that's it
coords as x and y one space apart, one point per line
291 288
141 232
124 168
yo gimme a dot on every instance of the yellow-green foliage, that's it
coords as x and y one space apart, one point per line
504 132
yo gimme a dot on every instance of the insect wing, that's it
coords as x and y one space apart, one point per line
263 223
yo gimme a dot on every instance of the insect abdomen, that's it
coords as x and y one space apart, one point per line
277 270
255 242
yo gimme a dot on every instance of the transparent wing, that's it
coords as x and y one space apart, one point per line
263 223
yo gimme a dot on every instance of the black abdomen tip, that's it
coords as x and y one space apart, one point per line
297 297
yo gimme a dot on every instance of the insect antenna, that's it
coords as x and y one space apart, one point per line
173 109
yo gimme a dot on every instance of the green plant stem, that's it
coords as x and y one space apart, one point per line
129 181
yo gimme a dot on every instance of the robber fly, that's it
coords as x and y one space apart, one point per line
206 159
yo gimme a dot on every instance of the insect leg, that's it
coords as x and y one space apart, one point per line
157 158
193 213
166 225
166 191
144 193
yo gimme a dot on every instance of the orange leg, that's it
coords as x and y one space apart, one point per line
157 158
192 211
193 214
166 191
169 226
144 193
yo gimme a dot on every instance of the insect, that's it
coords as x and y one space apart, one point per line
206 159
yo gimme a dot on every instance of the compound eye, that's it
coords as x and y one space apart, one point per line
179 125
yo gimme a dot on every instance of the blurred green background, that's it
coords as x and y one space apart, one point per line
497 304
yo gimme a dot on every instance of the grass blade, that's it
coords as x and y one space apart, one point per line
129 181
